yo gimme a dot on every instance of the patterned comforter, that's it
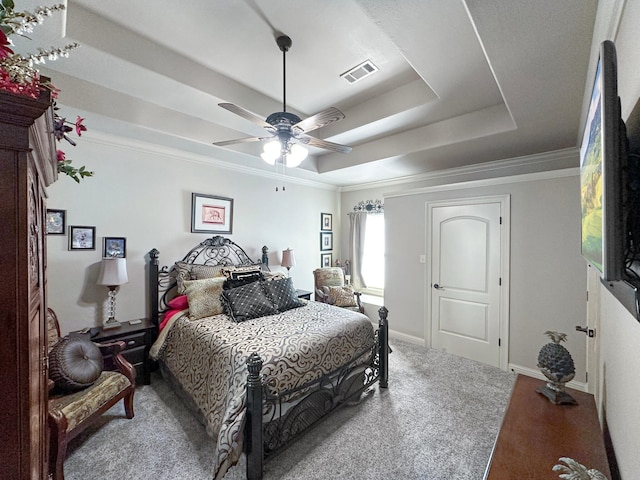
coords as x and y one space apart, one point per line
208 358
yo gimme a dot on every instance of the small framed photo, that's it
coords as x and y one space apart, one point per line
326 221
326 259
114 247
56 222
326 241
82 238
211 214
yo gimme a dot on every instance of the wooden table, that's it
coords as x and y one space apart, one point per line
535 433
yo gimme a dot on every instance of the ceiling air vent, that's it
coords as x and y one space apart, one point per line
359 72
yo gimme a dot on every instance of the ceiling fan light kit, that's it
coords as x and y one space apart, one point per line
287 130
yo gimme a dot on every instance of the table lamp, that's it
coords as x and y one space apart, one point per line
113 273
288 259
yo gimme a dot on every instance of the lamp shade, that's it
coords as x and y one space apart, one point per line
113 272
288 258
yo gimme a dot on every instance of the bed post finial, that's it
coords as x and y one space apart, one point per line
383 338
154 253
253 438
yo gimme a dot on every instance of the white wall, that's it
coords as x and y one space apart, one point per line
144 194
547 271
548 285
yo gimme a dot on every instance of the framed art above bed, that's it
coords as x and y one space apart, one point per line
211 214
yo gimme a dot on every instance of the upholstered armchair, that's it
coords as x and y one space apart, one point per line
330 288
80 391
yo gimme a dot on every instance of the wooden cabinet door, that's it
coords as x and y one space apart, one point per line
37 322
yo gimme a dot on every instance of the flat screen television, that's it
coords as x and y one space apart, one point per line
603 159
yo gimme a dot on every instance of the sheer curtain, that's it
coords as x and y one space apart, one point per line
357 223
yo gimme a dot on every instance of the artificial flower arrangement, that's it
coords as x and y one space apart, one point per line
19 75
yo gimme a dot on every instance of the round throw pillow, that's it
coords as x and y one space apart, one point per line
74 364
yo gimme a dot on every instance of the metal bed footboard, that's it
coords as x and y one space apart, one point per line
325 395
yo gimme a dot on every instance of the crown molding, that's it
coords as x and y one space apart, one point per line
539 159
101 138
489 182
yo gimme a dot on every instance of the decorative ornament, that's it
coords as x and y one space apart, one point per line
576 471
556 364
370 206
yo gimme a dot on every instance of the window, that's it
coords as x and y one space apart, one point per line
373 257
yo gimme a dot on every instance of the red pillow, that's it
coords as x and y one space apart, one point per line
180 302
167 316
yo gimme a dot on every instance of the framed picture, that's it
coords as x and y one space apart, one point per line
114 247
211 214
56 222
82 238
326 221
325 259
326 241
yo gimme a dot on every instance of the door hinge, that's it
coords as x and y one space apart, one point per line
500 220
586 376
499 342
500 281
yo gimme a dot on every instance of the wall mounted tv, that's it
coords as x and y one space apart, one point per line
604 184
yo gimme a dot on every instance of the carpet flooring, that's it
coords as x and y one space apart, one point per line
437 420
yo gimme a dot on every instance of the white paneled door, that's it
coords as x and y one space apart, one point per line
466 279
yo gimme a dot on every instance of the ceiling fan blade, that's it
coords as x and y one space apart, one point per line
316 142
246 114
239 140
318 120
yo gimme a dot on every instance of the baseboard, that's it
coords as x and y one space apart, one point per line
530 372
407 338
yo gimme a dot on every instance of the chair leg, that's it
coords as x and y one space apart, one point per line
128 404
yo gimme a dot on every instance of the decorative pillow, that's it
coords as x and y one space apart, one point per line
238 279
240 269
269 276
194 271
183 273
204 297
181 302
283 294
247 302
342 296
74 363
198 272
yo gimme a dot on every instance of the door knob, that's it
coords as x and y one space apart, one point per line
437 287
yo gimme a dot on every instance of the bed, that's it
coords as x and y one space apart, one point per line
265 366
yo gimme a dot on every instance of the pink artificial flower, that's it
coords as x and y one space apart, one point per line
60 155
79 126
4 45
54 91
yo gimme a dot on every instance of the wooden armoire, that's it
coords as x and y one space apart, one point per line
27 167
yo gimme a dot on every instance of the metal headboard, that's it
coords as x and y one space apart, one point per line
216 250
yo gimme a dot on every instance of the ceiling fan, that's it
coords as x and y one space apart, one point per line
287 130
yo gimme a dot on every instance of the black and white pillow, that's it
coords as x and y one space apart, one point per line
283 294
247 302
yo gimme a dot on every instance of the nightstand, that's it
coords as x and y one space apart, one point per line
303 294
138 339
